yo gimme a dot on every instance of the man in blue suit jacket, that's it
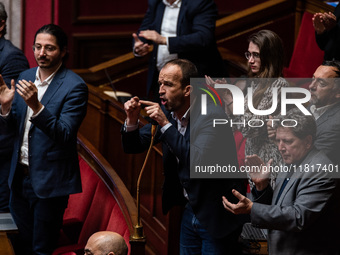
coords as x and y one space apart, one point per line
184 29
189 140
46 115
12 62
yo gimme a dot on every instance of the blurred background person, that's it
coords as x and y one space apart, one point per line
12 62
327 33
265 60
179 29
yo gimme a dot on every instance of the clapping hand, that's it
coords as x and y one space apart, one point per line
259 171
243 206
6 95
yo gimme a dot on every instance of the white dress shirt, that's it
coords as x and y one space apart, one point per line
42 87
168 29
317 112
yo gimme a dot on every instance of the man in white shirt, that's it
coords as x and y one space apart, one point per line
45 116
179 29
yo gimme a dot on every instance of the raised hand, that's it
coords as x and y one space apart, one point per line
6 95
153 35
155 112
132 109
270 129
259 171
318 23
329 20
140 48
243 206
29 92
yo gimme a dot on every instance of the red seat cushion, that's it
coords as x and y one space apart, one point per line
79 205
307 56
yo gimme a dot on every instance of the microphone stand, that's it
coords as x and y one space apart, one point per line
138 228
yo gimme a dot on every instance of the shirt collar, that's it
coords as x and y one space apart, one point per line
176 4
317 112
184 119
49 78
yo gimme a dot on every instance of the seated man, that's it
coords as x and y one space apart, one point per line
303 207
106 243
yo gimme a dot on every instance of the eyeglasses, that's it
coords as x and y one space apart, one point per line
47 48
252 54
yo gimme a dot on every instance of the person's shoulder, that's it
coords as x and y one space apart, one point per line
318 157
70 75
281 82
9 47
28 72
199 4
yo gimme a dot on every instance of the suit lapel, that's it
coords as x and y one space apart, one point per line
54 86
296 175
328 114
182 11
159 18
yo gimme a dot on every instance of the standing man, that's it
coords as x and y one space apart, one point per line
188 138
305 202
325 107
179 29
45 109
12 62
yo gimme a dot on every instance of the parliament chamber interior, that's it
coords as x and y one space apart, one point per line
100 46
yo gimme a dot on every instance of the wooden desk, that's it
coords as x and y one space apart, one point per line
256 248
6 247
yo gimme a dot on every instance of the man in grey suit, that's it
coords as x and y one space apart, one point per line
325 107
301 211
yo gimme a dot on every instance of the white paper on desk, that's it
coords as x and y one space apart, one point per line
117 94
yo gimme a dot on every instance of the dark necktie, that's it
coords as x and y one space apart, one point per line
281 189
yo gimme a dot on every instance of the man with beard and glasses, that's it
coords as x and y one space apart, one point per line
45 109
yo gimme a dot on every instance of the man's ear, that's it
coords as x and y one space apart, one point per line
188 90
63 52
309 141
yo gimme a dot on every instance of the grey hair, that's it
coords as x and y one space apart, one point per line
305 124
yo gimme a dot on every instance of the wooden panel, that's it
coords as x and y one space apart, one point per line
102 128
95 48
108 11
5 245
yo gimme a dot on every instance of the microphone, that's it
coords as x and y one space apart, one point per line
146 116
138 228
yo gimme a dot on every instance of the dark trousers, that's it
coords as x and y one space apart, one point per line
196 240
5 162
39 220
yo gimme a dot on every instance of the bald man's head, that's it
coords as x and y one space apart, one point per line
106 242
